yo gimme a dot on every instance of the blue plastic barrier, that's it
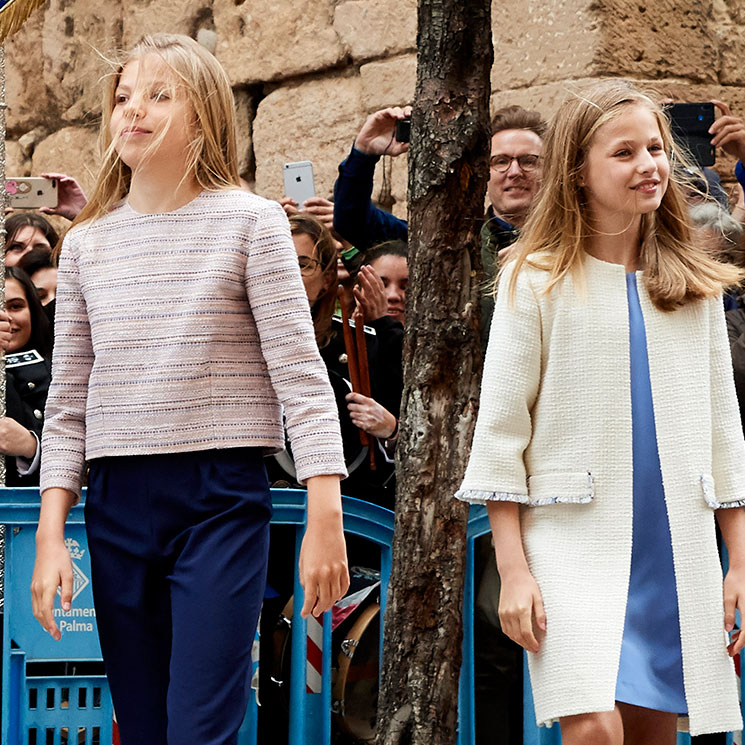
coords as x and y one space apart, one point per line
68 705
44 700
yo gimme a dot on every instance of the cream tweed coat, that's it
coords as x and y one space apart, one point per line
554 434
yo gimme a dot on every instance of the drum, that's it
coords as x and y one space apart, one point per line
355 661
355 691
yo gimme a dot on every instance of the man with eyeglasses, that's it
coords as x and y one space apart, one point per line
514 178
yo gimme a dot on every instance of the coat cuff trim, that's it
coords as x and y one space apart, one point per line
707 486
481 497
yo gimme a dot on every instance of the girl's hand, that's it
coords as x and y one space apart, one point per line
369 292
322 209
367 414
70 197
324 576
15 439
734 598
5 334
290 206
53 569
521 611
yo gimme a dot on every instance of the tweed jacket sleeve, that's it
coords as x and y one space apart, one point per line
298 375
728 446
512 369
63 438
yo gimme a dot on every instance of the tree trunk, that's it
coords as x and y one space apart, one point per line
448 167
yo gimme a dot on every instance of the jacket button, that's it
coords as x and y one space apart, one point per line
31 386
38 414
343 359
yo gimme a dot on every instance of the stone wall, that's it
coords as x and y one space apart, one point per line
307 72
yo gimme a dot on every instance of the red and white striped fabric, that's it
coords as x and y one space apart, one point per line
314 654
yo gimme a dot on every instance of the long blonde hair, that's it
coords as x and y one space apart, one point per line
677 270
212 154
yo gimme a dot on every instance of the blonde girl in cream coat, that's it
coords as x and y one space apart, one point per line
607 278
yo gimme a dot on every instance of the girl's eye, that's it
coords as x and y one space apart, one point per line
622 153
655 148
120 99
160 96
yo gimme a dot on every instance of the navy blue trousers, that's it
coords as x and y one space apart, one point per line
178 546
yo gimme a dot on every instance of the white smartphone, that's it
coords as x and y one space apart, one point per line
30 193
299 183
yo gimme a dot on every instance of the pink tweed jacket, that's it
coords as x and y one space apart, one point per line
187 330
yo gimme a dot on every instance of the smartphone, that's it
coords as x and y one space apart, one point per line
299 184
30 193
690 124
403 130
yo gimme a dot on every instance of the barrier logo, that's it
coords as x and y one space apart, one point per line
79 580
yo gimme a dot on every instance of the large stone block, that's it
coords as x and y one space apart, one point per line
263 40
78 39
315 121
244 113
17 163
389 82
544 98
151 16
376 28
731 51
391 178
658 39
537 42
29 103
72 150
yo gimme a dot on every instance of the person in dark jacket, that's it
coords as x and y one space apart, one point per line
28 374
514 178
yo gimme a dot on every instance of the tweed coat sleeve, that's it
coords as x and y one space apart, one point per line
512 372
728 446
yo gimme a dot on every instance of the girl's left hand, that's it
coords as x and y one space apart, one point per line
15 439
734 599
367 414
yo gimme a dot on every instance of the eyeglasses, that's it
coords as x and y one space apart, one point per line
501 163
308 265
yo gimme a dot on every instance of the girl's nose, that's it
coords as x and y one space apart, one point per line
133 107
647 162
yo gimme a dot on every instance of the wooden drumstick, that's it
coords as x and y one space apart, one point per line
352 364
349 345
364 368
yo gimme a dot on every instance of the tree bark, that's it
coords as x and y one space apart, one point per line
448 168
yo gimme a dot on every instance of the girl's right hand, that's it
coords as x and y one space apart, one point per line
53 569
521 611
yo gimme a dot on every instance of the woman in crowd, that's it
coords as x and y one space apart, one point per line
26 231
39 265
601 471
317 256
27 378
182 334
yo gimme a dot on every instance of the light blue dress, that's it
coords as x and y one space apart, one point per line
651 670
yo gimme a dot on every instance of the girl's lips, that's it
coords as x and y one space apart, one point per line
647 187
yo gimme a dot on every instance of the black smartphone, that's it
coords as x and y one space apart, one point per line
403 130
690 124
